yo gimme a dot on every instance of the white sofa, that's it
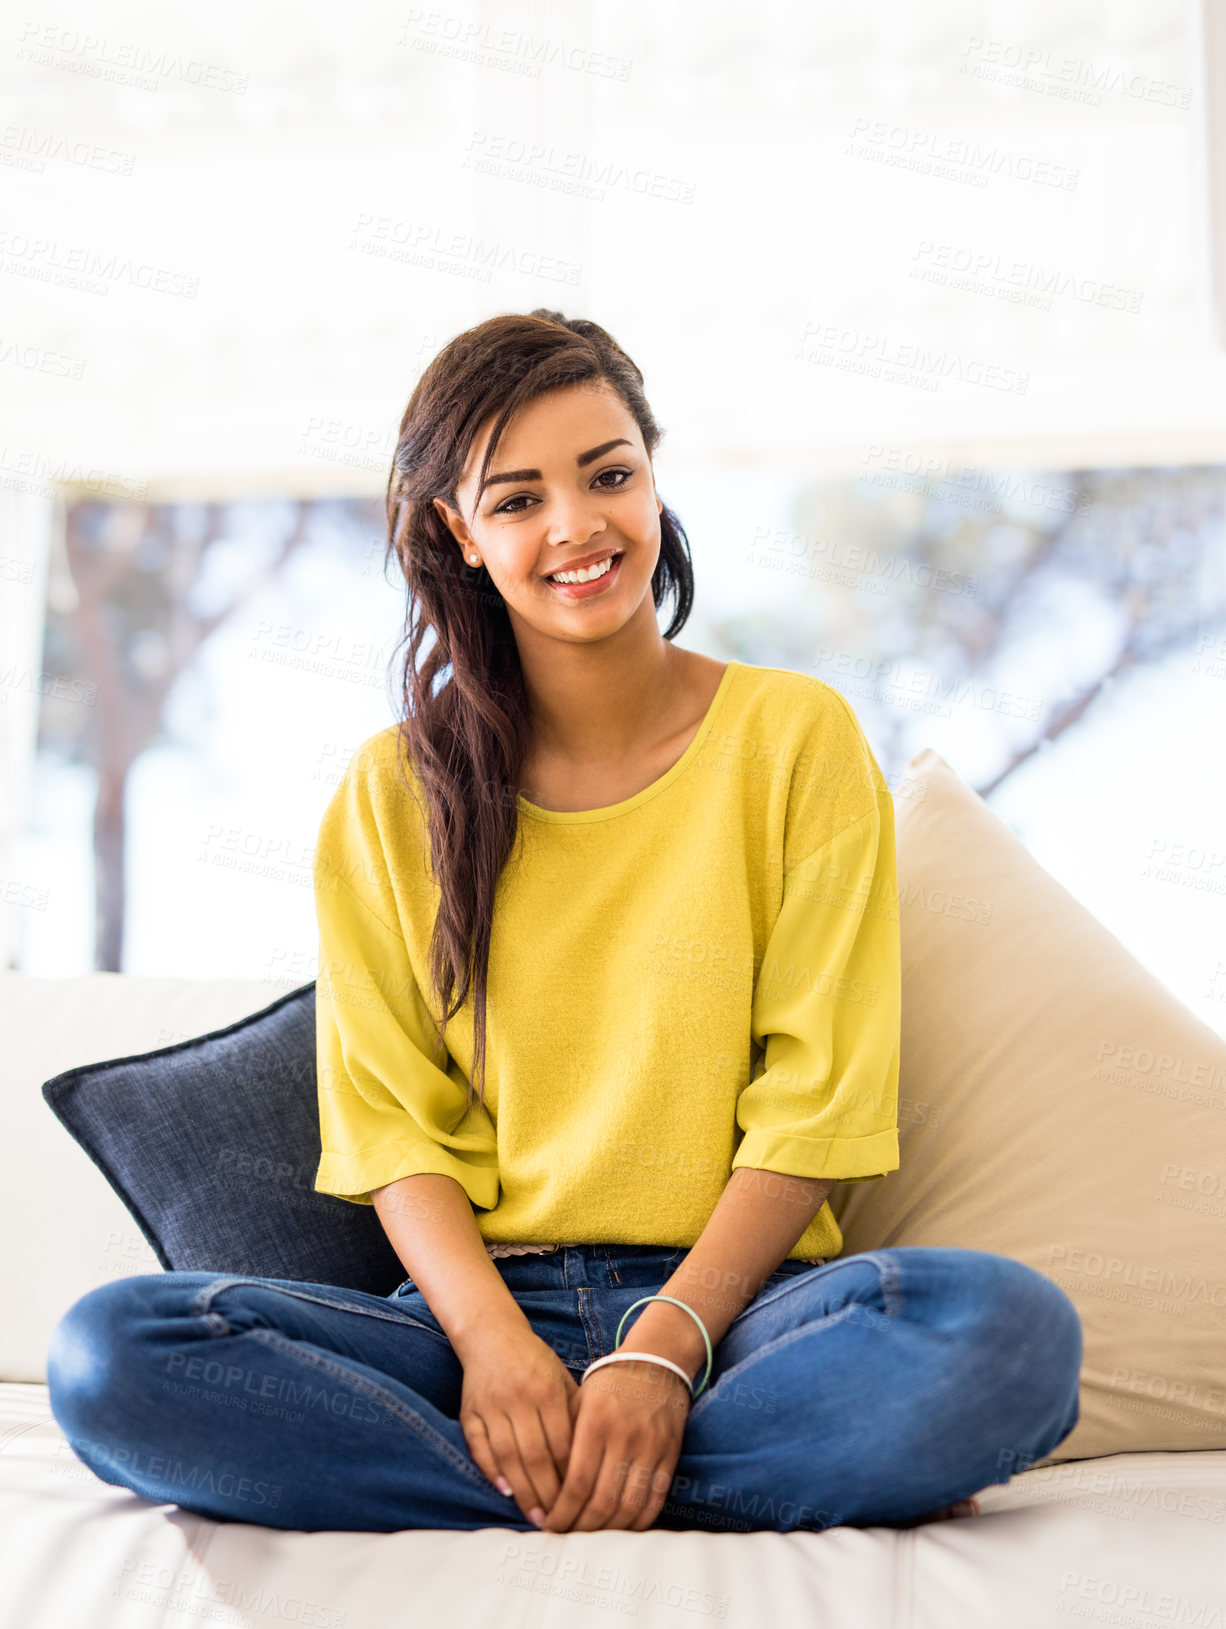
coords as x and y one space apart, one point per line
1129 1539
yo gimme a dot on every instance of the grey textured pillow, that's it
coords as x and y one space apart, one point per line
213 1145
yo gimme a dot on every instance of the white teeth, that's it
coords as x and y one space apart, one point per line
585 574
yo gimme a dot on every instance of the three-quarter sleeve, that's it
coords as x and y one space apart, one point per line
386 1109
827 1012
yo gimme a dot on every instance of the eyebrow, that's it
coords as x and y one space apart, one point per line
535 475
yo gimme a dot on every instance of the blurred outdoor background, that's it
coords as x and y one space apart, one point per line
929 302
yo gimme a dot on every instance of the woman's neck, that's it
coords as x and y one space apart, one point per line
617 734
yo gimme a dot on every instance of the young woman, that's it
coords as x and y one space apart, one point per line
608 1001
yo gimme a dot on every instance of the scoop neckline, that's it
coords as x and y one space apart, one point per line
611 810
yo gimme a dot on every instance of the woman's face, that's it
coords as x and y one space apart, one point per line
570 485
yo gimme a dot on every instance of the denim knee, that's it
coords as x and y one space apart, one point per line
1041 1308
89 1349
1033 1332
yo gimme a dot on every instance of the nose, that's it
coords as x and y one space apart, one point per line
574 520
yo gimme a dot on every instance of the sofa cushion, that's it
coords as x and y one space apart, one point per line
1058 1105
213 1144
1139 1536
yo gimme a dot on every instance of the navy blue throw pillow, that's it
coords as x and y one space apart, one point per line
213 1145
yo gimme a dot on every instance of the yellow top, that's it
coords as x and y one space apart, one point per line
701 976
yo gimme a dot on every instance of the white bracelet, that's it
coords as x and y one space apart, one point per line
640 1357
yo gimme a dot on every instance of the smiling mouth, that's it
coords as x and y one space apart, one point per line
586 574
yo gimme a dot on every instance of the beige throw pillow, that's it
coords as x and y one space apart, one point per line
1057 1105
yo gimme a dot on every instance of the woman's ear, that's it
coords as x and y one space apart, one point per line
459 531
455 525
449 517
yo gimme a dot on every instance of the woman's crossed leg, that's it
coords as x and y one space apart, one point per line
876 1389
266 1400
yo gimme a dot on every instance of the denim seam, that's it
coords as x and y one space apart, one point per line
887 1273
293 1349
770 1296
776 1345
591 1327
762 1301
891 1281
408 1318
201 1302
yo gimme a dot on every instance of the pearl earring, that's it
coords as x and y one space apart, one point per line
473 558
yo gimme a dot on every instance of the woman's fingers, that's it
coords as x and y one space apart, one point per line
558 1428
643 1482
536 1456
611 1502
659 1481
507 1456
519 1435
477 1438
626 1442
585 1458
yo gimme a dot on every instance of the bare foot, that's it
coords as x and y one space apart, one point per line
963 1507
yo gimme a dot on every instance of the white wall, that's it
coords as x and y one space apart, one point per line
193 197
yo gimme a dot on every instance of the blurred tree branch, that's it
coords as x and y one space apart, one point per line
134 568
1133 545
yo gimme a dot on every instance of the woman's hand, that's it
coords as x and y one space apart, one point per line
515 1412
629 1419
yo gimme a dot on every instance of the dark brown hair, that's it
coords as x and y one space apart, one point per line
464 718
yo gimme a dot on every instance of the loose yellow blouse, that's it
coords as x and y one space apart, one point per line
703 976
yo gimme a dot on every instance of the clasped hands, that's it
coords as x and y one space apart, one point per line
575 1458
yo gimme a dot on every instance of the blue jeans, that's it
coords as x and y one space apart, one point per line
877 1387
